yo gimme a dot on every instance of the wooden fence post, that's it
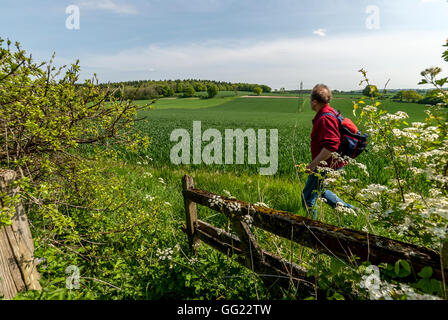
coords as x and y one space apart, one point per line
253 253
248 242
17 268
190 213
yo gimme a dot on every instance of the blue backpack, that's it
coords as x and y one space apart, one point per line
353 141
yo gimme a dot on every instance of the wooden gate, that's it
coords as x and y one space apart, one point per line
334 241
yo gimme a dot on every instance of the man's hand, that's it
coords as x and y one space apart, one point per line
324 155
310 168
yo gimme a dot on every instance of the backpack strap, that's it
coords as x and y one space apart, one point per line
328 114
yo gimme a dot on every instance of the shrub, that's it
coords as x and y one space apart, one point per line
61 138
189 91
212 91
258 91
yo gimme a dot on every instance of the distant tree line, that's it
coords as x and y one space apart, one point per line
150 89
430 97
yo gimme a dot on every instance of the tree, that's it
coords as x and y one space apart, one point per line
432 97
266 88
399 96
235 88
407 95
189 91
412 96
371 90
200 87
258 91
212 90
167 91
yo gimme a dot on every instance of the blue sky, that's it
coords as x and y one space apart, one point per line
275 42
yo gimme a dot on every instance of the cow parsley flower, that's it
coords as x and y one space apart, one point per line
262 204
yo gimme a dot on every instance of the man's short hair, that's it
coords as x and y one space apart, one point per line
321 94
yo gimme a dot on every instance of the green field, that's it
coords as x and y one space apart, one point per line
244 113
281 191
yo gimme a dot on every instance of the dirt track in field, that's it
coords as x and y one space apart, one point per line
280 97
270 97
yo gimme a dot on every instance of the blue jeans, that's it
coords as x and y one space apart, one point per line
311 193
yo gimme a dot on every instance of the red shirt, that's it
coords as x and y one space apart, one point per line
326 135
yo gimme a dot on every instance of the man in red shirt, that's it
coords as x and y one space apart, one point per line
325 140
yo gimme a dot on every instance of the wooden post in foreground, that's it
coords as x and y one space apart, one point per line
444 254
17 268
190 213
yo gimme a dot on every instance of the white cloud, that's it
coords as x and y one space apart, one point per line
320 32
108 5
282 62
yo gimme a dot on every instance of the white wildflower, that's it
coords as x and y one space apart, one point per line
166 254
233 206
370 109
341 208
262 204
249 220
216 201
149 197
400 115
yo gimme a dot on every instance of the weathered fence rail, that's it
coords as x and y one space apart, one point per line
338 242
17 268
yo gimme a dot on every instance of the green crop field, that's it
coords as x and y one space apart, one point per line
257 113
281 191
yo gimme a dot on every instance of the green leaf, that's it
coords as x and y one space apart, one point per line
442 82
424 285
429 286
426 273
436 286
404 271
336 296
336 266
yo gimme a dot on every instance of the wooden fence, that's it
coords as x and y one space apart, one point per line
276 272
17 268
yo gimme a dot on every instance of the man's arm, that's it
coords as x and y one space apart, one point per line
324 155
